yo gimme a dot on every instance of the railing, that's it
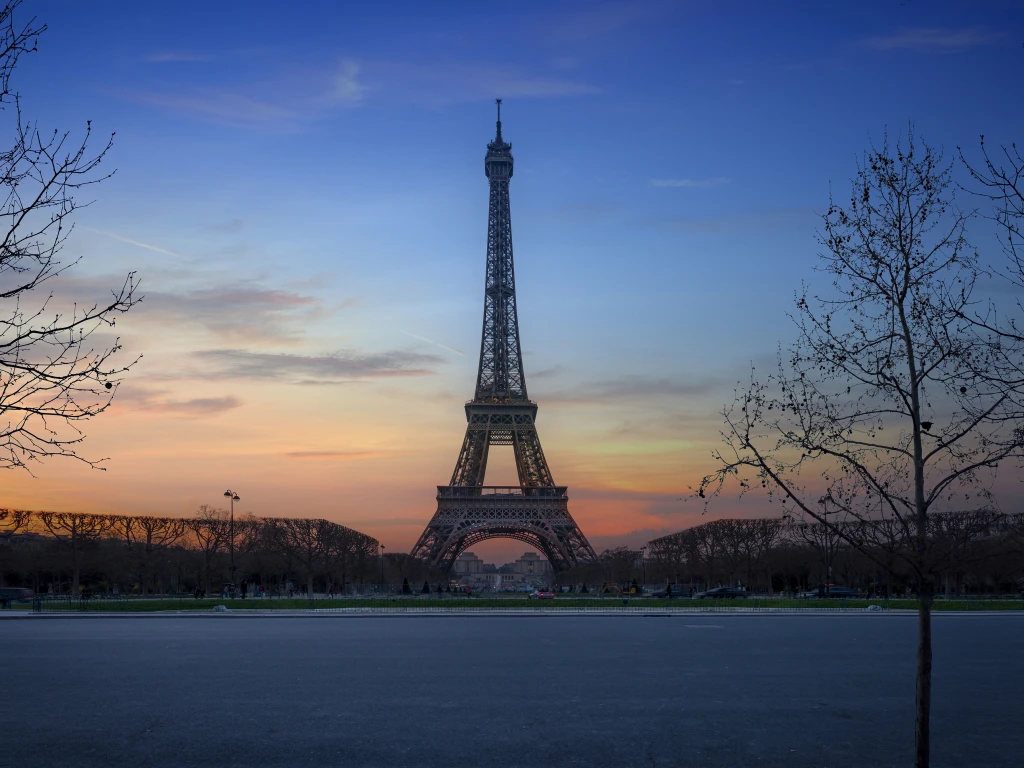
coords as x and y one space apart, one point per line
469 491
485 603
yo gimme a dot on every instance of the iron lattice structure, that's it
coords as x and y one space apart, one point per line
501 413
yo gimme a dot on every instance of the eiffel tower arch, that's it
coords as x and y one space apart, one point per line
501 413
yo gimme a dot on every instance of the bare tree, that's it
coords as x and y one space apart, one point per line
75 530
12 521
889 398
147 536
307 541
209 533
52 378
1001 181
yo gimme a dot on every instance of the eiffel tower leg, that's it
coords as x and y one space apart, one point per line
530 461
472 463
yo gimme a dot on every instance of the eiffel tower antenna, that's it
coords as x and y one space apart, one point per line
501 413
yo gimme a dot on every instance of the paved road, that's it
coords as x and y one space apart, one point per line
538 691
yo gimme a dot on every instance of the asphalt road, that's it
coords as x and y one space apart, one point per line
823 691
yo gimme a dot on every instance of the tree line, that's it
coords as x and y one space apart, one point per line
974 551
72 551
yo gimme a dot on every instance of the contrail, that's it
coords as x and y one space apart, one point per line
139 243
431 341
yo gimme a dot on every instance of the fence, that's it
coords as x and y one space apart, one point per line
494 604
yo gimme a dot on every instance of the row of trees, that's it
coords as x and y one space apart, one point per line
138 553
973 551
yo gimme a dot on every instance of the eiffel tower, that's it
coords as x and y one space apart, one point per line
501 413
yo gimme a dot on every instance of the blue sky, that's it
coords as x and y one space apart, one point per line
301 190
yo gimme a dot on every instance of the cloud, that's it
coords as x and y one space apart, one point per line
242 312
631 387
175 56
547 373
137 398
347 89
443 84
132 241
346 455
933 39
387 522
239 312
233 225
238 363
221 106
603 20
717 181
293 97
435 343
781 219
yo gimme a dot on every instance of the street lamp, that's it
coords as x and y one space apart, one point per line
231 544
643 562
828 541
381 567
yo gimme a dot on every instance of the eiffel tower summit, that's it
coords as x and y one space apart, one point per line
501 413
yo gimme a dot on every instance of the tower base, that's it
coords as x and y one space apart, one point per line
467 515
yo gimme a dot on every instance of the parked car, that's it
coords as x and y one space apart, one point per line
834 590
676 591
724 592
10 595
542 594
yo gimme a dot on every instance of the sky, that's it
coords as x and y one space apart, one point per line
300 190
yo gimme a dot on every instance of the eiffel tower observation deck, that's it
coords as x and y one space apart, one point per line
501 413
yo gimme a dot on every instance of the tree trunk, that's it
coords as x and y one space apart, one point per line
924 677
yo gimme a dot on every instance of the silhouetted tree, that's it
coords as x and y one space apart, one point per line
75 530
853 401
146 536
52 377
12 521
208 532
406 589
426 588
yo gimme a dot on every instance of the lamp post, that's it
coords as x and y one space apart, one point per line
381 567
828 543
231 544
643 562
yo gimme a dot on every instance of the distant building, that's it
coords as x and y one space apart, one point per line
467 562
532 564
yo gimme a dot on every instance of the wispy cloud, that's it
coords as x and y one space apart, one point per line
132 241
167 57
242 364
716 181
239 312
435 343
243 311
783 219
440 84
547 373
632 387
348 90
933 39
137 398
335 455
598 20
233 225
222 106
288 101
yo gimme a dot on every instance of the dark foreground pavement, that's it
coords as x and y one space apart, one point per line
730 691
